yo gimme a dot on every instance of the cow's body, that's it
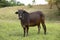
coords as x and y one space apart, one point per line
31 19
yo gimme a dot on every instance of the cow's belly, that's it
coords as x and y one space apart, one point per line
34 22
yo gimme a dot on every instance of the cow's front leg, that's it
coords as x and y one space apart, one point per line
27 30
24 31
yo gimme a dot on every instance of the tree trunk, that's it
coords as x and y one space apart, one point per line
57 6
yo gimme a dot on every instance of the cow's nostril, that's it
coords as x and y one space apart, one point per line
20 16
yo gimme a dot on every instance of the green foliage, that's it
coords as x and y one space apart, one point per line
33 2
4 3
29 5
20 4
13 2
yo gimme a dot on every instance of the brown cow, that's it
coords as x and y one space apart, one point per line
31 19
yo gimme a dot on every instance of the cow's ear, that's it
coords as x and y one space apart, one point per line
16 12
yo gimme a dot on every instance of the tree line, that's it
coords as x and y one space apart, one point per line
5 3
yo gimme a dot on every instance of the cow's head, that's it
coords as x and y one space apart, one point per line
21 14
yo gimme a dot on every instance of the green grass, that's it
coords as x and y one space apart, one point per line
11 29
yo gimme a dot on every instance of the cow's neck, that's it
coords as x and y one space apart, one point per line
25 20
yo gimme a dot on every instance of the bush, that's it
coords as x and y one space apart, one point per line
29 5
4 3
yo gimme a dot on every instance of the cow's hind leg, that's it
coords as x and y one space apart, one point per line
44 27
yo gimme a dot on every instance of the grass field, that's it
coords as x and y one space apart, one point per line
10 27
12 30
